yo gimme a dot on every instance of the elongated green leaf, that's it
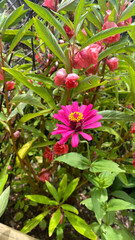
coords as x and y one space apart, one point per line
129 60
11 18
45 14
111 115
124 196
132 77
97 205
118 205
110 50
3 182
20 34
68 5
52 190
10 34
114 3
29 99
4 200
55 219
41 78
42 92
103 6
78 12
49 39
110 131
65 20
18 109
75 160
106 33
81 226
62 186
2 3
69 208
128 12
29 116
70 188
35 132
32 223
93 19
41 199
105 165
113 16
88 203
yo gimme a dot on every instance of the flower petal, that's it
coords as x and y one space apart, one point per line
86 136
65 137
82 108
87 110
75 140
93 125
91 114
61 118
75 107
92 120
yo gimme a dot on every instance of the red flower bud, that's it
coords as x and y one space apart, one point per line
68 31
60 148
60 77
10 85
112 63
44 176
17 134
114 38
133 128
48 154
71 81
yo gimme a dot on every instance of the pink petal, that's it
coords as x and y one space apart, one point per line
82 108
75 140
92 120
75 107
65 137
91 114
87 110
58 131
86 136
61 118
93 125
66 111
61 126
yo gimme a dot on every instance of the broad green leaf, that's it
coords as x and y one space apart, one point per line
106 179
108 233
106 33
45 14
55 219
20 34
70 188
62 186
29 116
123 178
124 196
46 35
11 18
78 12
42 92
110 50
93 19
4 200
111 131
41 199
111 115
88 203
2 3
118 205
80 226
28 99
103 6
32 223
52 190
128 12
105 165
23 151
69 208
75 160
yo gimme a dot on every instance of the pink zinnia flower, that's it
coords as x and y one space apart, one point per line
76 119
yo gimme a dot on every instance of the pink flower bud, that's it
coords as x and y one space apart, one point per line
133 128
48 154
84 32
17 134
111 39
50 4
68 31
112 63
10 85
60 77
60 148
61 218
44 175
9 168
94 69
71 81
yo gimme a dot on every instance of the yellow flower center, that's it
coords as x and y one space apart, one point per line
76 116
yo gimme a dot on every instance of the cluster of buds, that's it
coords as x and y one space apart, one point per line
69 80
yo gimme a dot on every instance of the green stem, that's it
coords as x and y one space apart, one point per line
88 149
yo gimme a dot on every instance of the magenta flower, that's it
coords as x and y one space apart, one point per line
76 119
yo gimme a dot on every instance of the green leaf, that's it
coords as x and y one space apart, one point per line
80 226
55 219
103 6
68 5
129 60
118 205
93 19
3 181
111 131
115 4
69 208
52 190
88 203
45 14
113 16
78 13
32 223
42 92
70 188
41 78
123 178
11 18
124 196
111 115
128 12
75 160
105 165
59 232
20 34
132 78
2 3
46 35
62 186
23 151
28 99
106 33
41 199
29 116
4 200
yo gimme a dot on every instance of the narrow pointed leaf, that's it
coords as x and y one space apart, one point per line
78 12
118 205
128 12
41 199
52 190
29 116
111 115
69 208
4 200
55 219
70 188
